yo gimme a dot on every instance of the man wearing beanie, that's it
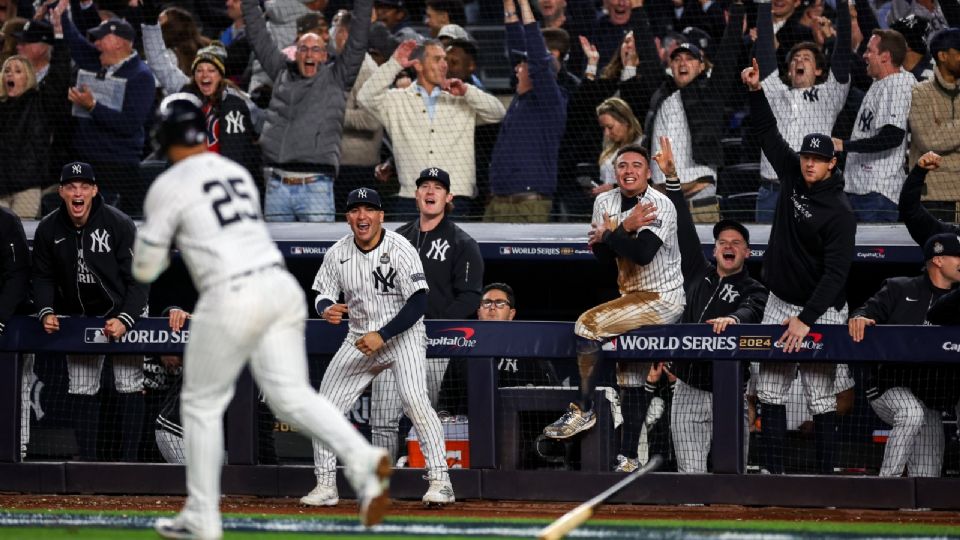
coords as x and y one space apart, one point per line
918 61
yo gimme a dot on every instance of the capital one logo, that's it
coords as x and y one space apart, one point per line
438 250
950 346
460 336
813 342
101 241
77 169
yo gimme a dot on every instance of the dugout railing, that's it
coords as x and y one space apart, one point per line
486 478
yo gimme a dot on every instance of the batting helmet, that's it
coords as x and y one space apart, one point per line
180 120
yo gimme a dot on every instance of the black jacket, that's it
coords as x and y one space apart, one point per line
919 221
29 121
814 230
704 98
946 310
901 300
107 243
454 268
237 133
14 266
708 295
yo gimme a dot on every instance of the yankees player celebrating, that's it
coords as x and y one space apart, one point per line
916 441
454 271
721 295
385 292
249 307
651 292
81 266
805 268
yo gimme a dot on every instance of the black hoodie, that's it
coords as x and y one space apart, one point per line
813 237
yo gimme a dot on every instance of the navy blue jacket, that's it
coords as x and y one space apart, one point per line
525 156
108 135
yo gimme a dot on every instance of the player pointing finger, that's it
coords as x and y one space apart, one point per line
334 314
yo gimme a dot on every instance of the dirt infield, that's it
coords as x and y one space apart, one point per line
483 509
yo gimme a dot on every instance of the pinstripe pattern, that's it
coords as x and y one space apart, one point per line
386 408
671 121
819 380
916 442
691 426
887 102
349 271
799 114
84 371
248 308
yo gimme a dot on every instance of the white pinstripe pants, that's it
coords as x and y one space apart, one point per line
386 407
916 440
261 317
818 379
351 371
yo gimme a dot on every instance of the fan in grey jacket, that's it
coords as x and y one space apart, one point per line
304 122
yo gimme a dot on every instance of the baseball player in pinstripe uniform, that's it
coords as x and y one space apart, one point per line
812 101
805 268
250 310
651 292
381 278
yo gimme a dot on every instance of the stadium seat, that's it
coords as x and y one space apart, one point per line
737 188
731 150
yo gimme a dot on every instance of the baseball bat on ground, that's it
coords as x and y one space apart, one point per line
576 517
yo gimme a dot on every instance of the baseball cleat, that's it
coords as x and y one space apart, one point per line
572 422
439 494
174 528
322 495
373 497
625 464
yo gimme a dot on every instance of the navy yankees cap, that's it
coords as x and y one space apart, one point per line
944 40
77 170
817 144
118 27
945 244
436 174
730 224
35 32
365 196
914 30
389 3
688 48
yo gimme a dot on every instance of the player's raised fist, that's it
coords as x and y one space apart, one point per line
751 76
929 161
369 343
334 314
403 52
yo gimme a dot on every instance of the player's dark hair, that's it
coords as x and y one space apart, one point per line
466 46
636 148
453 9
558 39
894 43
503 287
818 57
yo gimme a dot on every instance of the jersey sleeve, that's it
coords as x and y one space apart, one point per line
327 281
893 106
410 271
160 215
665 226
836 93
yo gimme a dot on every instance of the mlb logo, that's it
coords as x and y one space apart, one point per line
506 250
610 345
94 335
296 250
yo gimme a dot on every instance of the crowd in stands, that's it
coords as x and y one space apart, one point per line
318 97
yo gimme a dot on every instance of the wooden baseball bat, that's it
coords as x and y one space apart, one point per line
576 517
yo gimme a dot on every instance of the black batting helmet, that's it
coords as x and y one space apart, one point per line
180 121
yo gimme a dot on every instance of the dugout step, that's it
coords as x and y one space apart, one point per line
596 445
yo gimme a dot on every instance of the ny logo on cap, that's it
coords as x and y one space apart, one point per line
77 169
433 172
937 247
362 193
815 143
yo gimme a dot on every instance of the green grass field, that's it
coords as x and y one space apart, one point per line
110 525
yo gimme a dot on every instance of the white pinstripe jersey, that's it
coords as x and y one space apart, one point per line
671 121
375 284
887 102
663 274
210 205
801 111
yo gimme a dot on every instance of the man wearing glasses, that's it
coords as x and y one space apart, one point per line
304 122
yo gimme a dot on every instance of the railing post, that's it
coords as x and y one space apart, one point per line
482 405
727 447
10 402
241 422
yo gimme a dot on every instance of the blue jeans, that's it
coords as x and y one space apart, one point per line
767 202
405 208
873 208
299 202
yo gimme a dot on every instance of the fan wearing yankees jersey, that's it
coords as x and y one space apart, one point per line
454 269
651 292
81 266
385 291
876 151
250 311
812 100
719 294
805 268
905 394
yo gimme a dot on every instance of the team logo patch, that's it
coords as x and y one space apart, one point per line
418 277
384 282
937 247
385 258
101 241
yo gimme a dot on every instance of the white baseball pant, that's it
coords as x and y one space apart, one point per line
691 427
349 373
260 316
84 371
386 407
916 440
818 379
629 312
